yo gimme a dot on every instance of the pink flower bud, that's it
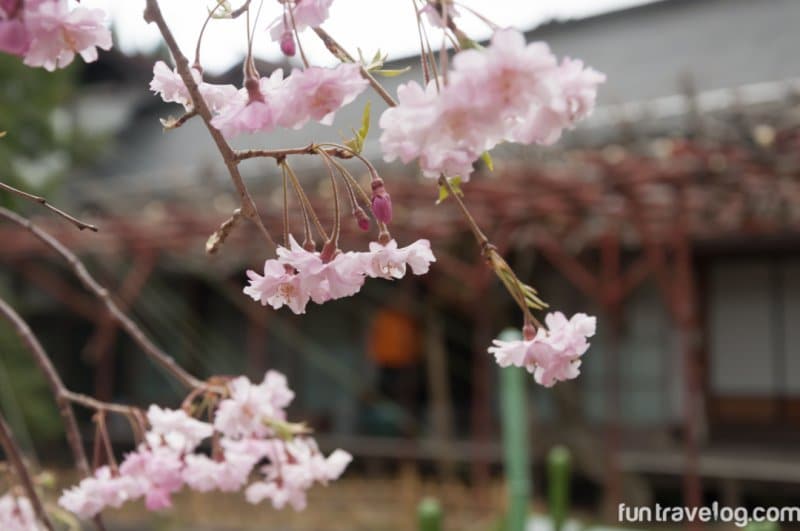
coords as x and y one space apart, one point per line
361 218
287 44
381 202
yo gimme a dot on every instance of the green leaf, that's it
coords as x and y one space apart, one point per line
487 159
444 193
357 142
392 72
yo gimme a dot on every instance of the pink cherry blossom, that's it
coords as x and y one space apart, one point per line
58 33
339 277
279 286
304 14
508 92
176 429
258 109
388 261
104 489
316 93
248 409
14 36
554 353
160 469
293 468
17 514
169 85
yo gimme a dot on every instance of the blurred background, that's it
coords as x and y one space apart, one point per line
672 214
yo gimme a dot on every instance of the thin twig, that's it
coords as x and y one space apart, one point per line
152 13
340 53
280 154
57 388
14 455
42 201
147 345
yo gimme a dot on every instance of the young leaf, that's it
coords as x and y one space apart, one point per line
392 72
444 193
357 142
487 159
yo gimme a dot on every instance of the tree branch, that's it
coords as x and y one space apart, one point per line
57 388
14 455
148 346
42 201
152 13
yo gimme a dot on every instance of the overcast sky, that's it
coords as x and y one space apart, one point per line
387 25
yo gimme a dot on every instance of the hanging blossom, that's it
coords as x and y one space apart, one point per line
17 514
509 92
298 276
49 34
249 434
554 353
304 14
313 93
168 84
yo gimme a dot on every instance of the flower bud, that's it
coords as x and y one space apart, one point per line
361 218
287 44
381 202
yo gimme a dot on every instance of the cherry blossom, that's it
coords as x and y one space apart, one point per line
389 262
304 14
316 93
554 353
293 468
169 85
279 286
17 514
14 37
335 278
250 407
258 108
58 33
102 490
510 91
176 429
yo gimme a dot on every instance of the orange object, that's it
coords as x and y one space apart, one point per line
394 339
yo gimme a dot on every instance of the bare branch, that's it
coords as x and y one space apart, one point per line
57 388
14 455
280 154
42 201
148 346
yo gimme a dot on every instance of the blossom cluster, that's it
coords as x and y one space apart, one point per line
554 353
248 434
509 92
48 33
17 514
313 93
298 276
299 15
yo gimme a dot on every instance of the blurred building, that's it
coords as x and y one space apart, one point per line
673 214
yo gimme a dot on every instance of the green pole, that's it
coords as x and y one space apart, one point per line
429 515
558 471
515 440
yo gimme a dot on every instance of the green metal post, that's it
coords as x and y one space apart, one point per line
558 471
429 515
515 440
